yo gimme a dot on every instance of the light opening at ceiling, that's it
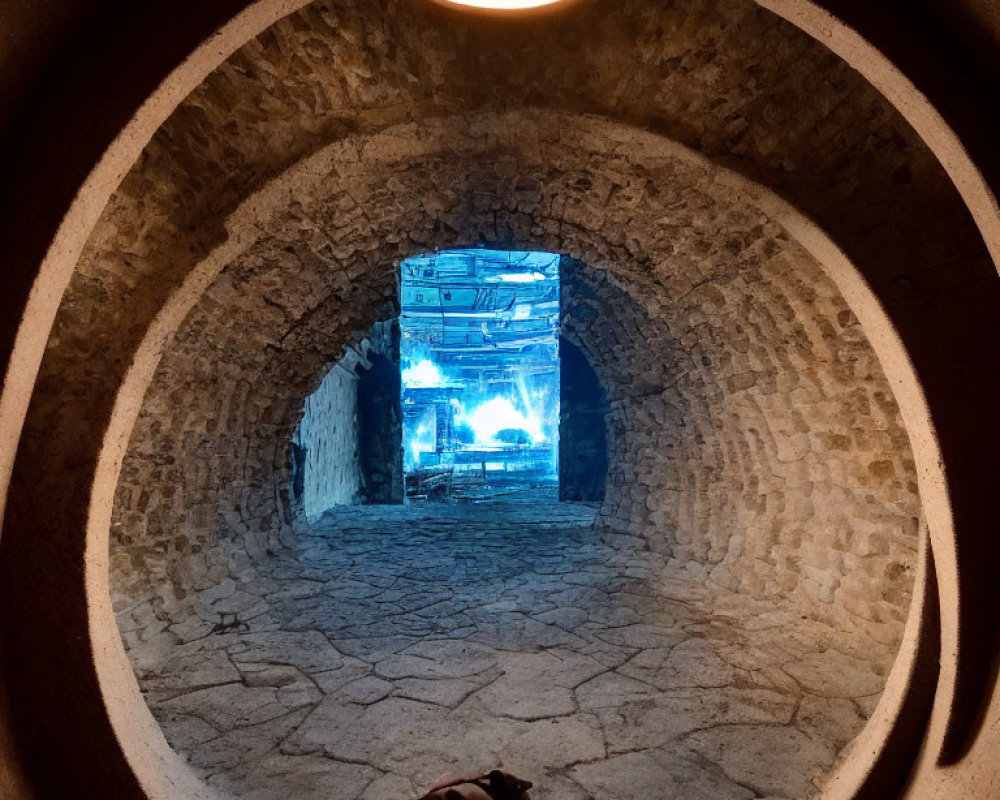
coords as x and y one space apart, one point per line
502 5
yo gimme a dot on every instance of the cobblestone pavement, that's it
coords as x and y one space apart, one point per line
410 641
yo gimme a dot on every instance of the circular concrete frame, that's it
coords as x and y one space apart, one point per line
156 767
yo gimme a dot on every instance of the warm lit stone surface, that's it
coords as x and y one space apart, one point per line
732 82
405 642
752 432
754 438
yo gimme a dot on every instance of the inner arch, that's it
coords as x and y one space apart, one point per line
685 407
62 258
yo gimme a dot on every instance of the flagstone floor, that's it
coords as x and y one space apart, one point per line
401 643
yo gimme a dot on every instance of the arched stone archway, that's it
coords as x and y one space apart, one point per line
473 216
908 334
724 247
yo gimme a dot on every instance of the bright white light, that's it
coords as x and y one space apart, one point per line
503 4
423 375
521 277
498 415
424 440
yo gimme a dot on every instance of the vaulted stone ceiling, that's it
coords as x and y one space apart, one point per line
280 193
725 78
737 349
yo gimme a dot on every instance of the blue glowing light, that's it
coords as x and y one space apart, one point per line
422 438
519 277
480 366
498 414
423 375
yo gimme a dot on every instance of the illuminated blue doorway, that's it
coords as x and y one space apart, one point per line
479 361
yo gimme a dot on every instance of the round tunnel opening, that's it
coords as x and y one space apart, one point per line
746 417
373 623
939 525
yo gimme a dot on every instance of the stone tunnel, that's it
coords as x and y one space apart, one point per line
776 263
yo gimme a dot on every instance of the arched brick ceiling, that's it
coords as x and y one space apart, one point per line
755 438
726 79
758 437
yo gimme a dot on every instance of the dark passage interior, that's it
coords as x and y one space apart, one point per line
602 646
713 608
583 418
379 422
739 468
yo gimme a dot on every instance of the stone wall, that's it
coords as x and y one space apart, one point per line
343 459
206 486
327 439
753 436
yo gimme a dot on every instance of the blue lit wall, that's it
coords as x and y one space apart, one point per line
346 448
480 370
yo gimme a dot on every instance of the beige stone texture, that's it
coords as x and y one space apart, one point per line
761 454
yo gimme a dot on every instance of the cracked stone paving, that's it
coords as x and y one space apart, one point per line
400 643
